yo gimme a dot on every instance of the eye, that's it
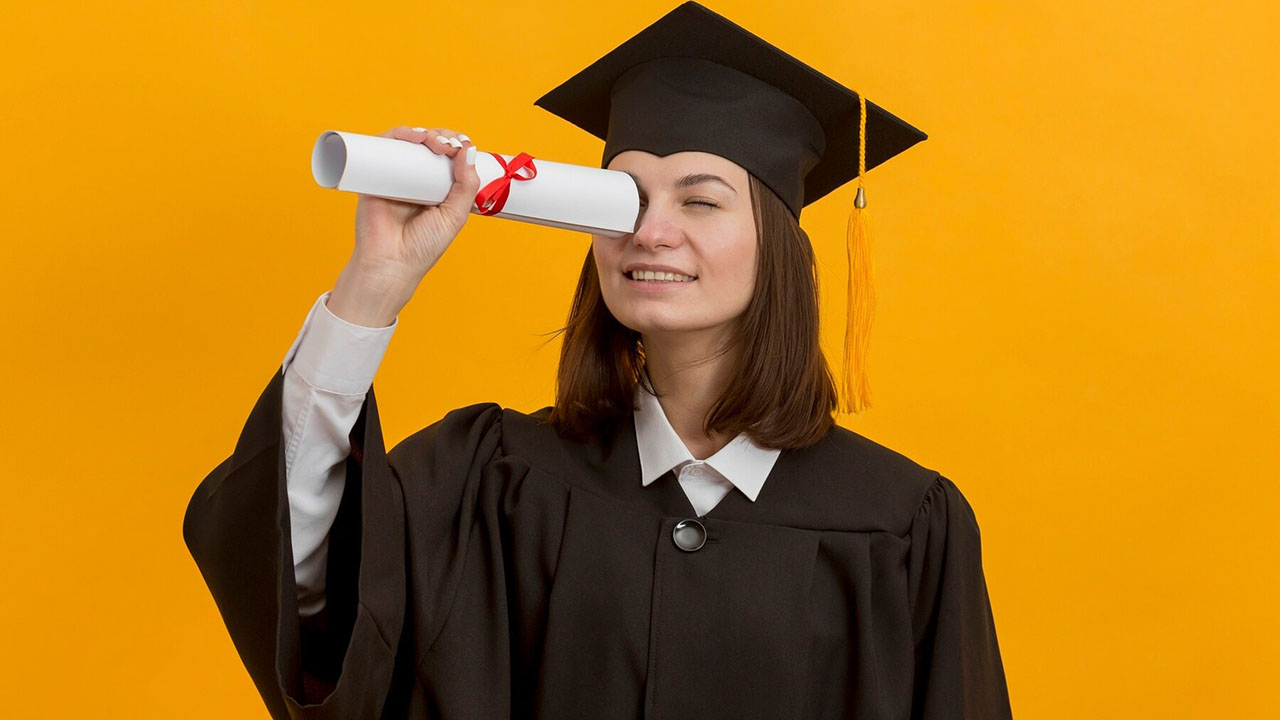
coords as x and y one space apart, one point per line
702 202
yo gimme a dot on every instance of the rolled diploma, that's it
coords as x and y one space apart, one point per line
562 195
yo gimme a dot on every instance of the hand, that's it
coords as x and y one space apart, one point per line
403 239
397 242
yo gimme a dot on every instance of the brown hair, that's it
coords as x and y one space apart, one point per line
783 395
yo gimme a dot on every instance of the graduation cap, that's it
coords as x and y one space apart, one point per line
695 81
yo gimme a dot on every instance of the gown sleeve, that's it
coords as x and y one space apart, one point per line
339 663
958 670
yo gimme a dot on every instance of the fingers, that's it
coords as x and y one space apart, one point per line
441 141
454 145
466 181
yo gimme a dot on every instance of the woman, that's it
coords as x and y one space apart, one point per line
686 533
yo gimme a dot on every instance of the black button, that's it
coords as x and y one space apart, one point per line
689 535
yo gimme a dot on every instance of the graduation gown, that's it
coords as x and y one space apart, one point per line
487 568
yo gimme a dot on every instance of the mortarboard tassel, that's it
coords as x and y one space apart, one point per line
861 304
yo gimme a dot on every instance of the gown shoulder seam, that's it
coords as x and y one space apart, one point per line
927 501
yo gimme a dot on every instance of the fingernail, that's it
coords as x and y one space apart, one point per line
464 138
418 129
442 140
471 155
455 142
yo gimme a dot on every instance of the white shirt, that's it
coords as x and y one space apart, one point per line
741 463
327 373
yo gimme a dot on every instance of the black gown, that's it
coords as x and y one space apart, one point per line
487 568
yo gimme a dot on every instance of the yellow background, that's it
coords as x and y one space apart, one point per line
1077 283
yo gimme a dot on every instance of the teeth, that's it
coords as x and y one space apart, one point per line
659 276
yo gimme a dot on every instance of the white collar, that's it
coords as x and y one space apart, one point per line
741 462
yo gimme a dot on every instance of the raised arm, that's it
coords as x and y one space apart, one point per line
332 362
327 373
334 656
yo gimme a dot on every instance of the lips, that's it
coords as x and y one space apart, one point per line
655 268
646 287
649 277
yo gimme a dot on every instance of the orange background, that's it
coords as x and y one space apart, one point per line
1076 273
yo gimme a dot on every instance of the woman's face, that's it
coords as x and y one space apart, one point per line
695 220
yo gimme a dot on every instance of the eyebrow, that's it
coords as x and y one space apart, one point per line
692 179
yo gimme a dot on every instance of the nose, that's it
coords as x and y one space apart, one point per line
655 229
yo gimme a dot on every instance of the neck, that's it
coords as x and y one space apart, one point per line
688 377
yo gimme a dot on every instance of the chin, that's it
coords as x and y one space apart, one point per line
663 326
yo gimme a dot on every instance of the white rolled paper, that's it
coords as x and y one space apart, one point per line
562 195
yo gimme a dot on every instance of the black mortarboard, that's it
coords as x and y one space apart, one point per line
693 80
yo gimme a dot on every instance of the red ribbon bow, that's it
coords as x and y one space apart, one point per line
493 196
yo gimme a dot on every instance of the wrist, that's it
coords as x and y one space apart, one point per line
369 298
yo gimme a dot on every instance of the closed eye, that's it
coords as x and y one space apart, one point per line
691 202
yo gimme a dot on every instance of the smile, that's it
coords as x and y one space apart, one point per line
651 276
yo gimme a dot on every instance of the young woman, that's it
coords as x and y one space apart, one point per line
686 532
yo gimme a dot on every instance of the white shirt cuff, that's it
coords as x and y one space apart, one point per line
334 355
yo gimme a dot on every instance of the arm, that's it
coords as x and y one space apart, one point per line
239 524
327 372
237 527
959 670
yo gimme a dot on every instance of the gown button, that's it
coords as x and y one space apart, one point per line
689 535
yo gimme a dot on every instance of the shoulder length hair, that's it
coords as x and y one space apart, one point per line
783 395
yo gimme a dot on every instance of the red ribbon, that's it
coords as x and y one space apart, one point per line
493 196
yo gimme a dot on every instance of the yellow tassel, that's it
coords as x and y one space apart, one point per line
861 303
861 308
